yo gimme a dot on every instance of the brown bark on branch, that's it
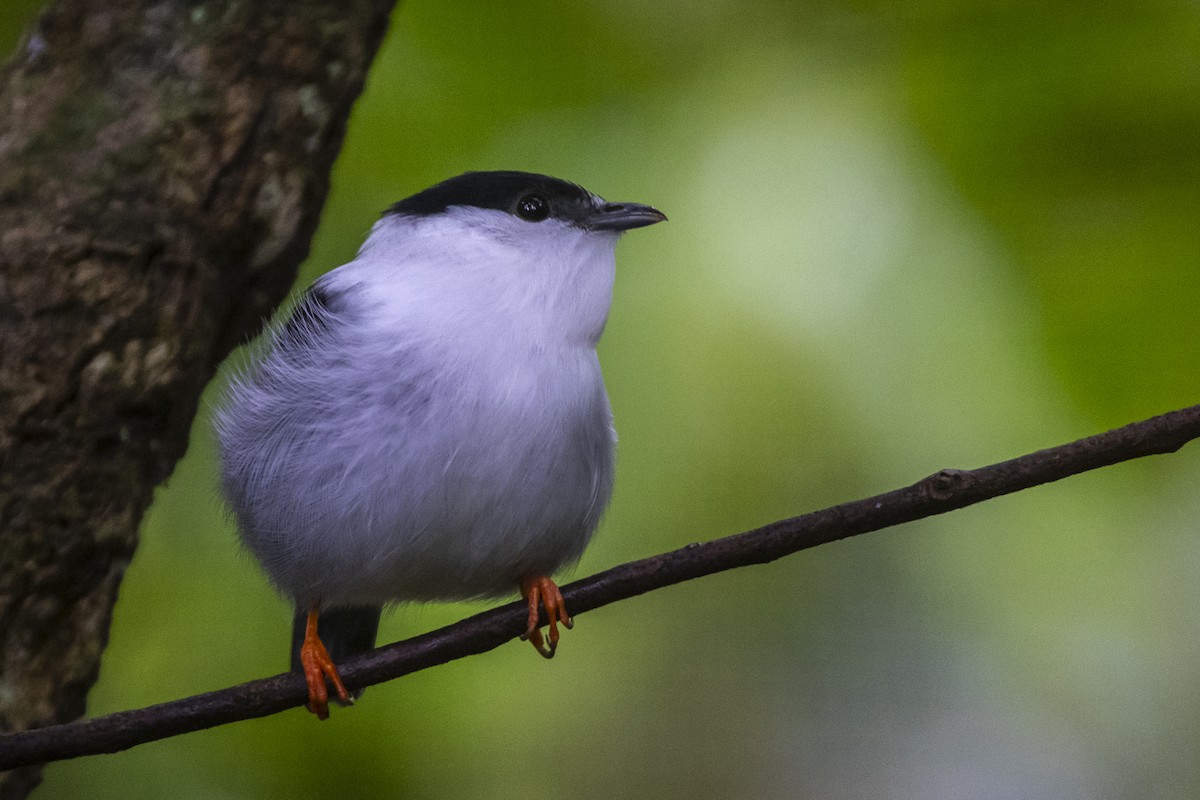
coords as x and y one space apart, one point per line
162 168
941 492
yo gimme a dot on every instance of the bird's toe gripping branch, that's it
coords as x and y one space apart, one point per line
318 667
542 589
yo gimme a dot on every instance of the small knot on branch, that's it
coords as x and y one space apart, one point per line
944 484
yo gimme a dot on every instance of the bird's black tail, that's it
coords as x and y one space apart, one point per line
345 631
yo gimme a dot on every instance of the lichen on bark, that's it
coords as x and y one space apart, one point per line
162 167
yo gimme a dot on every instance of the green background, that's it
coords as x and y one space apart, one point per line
903 237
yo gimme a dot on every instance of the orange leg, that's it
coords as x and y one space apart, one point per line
544 590
317 667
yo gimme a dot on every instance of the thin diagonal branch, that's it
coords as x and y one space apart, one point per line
941 492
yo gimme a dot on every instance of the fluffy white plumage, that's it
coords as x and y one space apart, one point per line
431 422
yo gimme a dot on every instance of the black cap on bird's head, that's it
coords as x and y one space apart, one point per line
530 197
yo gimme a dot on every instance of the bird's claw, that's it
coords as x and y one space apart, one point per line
544 591
318 667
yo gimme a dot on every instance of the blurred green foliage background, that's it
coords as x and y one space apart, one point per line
904 236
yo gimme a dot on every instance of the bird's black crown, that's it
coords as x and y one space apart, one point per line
523 194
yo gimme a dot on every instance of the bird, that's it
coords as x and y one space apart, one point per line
429 421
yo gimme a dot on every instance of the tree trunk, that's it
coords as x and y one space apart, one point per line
162 167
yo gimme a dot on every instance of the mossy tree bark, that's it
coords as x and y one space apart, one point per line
162 167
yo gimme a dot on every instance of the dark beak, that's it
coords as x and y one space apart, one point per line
623 217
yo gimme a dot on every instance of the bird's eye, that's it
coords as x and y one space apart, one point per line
533 207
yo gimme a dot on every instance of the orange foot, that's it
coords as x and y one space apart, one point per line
317 667
543 589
